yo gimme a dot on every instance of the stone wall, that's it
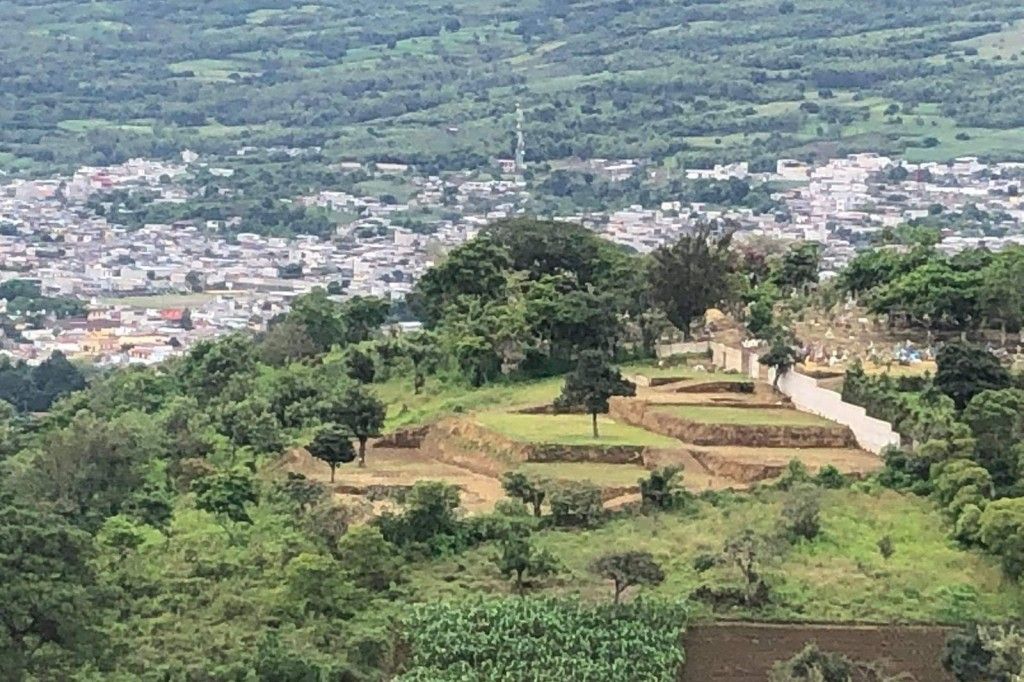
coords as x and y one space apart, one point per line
716 387
667 350
647 416
728 358
616 454
404 438
741 471
465 443
873 435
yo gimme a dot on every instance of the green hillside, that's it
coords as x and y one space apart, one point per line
437 82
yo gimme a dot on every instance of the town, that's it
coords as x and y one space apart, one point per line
152 291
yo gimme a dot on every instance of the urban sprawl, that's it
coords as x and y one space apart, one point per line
152 292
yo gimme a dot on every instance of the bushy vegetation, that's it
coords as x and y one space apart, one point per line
734 555
147 529
975 288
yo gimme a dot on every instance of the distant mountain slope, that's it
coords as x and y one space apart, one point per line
436 81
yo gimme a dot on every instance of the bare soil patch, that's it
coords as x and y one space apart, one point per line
745 652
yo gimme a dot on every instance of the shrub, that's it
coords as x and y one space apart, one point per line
814 665
795 474
980 653
904 471
1001 530
576 505
523 562
704 562
801 515
428 523
886 547
663 489
830 477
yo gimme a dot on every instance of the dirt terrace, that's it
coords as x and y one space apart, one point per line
463 452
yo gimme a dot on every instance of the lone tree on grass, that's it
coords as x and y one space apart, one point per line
748 551
628 569
591 384
520 560
334 446
359 411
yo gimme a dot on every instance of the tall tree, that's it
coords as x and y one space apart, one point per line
691 276
934 294
88 469
285 342
529 489
47 605
212 365
965 370
359 411
226 494
251 423
996 419
321 317
422 350
1002 289
798 267
477 268
333 445
363 316
591 384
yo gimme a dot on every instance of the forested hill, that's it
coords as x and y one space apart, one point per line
436 81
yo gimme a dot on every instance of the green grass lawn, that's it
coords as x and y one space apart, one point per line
740 415
440 399
604 475
838 577
570 429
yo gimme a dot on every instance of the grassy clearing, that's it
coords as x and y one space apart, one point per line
378 187
83 125
604 475
746 416
570 429
1005 43
211 69
839 577
440 399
